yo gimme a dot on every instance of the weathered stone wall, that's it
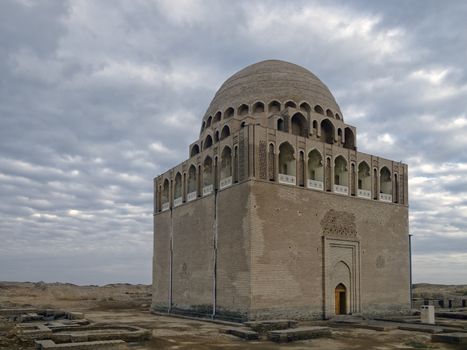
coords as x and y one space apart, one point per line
161 262
193 255
288 265
233 252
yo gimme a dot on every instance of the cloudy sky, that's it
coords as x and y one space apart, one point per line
98 97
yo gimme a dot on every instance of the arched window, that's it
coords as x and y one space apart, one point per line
192 184
178 190
242 110
216 136
364 180
208 142
194 150
385 185
305 107
349 139
299 125
274 106
280 124
341 176
202 127
339 135
208 122
225 132
329 113
327 131
287 166
207 176
258 107
226 168
165 195
290 104
319 109
229 112
315 170
338 117
217 117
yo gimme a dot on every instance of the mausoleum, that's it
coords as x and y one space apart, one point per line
276 214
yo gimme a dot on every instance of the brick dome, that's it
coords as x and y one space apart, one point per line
272 80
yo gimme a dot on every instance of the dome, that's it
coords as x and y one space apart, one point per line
272 80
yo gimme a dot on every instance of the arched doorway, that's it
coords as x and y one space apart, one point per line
341 299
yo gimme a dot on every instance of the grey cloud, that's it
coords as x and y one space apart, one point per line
97 98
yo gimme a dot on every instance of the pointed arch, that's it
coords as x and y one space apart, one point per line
207 142
341 175
364 180
327 131
319 109
226 167
209 122
287 165
329 113
194 150
229 113
208 179
385 184
225 132
165 195
243 109
192 191
304 106
178 189
281 124
258 107
290 104
349 139
217 117
299 125
274 106
315 170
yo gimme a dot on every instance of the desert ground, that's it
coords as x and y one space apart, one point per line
125 304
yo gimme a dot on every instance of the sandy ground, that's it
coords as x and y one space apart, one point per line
128 304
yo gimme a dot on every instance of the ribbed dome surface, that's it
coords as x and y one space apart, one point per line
272 80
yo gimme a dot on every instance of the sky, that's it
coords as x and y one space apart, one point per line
99 97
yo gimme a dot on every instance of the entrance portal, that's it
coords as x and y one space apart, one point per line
341 299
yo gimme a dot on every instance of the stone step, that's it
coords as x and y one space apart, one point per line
301 333
270 325
243 333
